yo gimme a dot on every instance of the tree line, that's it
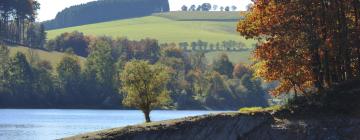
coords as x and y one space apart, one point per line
110 10
29 81
208 7
17 25
229 45
78 43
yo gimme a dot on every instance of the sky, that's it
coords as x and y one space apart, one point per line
49 8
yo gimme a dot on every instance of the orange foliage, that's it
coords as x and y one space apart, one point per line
304 43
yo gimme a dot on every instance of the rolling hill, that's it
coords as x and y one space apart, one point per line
168 27
174 27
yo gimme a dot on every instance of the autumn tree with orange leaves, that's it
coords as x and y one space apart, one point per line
306 45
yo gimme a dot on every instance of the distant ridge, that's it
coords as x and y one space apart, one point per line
105 10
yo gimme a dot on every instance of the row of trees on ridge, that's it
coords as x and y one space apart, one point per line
208 7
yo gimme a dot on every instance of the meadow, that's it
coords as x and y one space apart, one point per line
167 27
174 27
53 57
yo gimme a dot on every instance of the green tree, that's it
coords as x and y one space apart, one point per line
20 76
42 36
69 71
144 86
256 96
201 83
44 83
227 8
4 65
198 61
223 66
102 63
184 8
206 7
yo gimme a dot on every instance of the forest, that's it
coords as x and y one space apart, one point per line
110 10
17 23
31 82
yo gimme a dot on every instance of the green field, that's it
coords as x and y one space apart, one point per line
173 27
53 57
165 29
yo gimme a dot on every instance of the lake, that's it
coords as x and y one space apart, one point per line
48 124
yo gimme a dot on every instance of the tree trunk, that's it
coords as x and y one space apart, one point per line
296 94
316 64
147 115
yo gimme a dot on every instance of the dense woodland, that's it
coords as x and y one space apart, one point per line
194 84
110 10
17 23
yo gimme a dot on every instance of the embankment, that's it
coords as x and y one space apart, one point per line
236 126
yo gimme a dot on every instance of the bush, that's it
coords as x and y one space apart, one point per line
261 109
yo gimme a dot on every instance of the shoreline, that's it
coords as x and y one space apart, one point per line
235 126
181 128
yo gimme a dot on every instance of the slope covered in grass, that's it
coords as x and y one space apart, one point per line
164 29
53 57
174 27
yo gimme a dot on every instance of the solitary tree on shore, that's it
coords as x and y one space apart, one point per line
143 85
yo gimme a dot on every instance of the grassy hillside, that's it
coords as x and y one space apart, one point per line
173 27
165 29
53 57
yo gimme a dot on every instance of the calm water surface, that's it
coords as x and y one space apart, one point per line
48 124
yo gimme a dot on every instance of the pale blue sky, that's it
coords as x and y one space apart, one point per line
49 8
